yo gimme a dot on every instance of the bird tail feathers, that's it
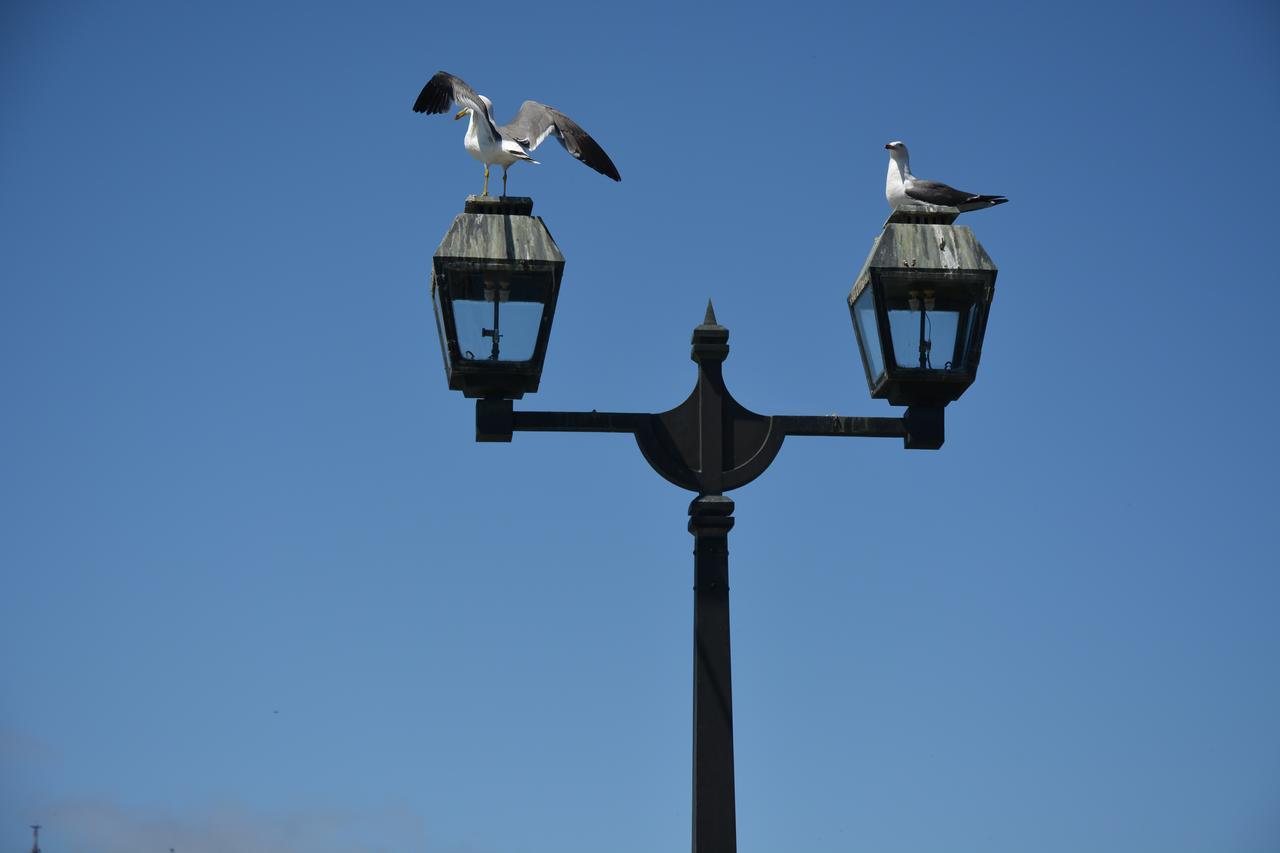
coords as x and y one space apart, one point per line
978 202
517 150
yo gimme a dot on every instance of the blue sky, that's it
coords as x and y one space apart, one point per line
261 591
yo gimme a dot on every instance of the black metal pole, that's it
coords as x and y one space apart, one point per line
714 813
709 444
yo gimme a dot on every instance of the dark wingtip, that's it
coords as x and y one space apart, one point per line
436 95
608 169
599 160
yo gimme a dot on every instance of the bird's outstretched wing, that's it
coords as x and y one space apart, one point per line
535 122
444 89
933 192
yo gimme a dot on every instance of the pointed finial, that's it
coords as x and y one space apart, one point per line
710 340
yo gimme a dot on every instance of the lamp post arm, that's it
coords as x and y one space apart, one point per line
920 428
592 421
839 425
496 420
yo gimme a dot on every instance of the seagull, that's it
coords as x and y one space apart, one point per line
902 187
505 145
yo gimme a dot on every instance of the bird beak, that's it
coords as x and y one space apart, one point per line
466 110
887 145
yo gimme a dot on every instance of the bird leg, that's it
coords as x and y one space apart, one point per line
504 181
486 180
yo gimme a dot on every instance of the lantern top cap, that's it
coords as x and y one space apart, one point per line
510 205
923 214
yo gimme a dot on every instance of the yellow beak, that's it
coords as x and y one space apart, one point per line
461 113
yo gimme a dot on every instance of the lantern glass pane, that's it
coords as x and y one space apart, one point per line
864 313
930 327
498 314
516 323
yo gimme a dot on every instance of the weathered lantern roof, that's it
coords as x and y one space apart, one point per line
920 306
500 228
495 280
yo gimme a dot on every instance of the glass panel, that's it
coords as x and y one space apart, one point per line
440 323
498 313
917 334
930 326
864 314
499 331
968 319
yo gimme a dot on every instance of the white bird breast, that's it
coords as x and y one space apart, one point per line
486 149
894 188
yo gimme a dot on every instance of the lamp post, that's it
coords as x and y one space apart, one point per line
922 297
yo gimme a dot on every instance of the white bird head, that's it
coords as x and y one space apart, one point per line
897 150
488 106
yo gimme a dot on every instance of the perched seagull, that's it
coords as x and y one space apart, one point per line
502 146
902 187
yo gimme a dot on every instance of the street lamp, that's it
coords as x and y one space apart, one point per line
494 283
919 309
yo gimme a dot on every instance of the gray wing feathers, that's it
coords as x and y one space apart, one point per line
933 192
531 125
535 122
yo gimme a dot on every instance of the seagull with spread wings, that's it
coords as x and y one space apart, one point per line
510 143
902 187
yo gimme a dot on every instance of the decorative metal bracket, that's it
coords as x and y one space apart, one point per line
710 443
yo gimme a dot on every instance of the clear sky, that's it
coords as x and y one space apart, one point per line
262 592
